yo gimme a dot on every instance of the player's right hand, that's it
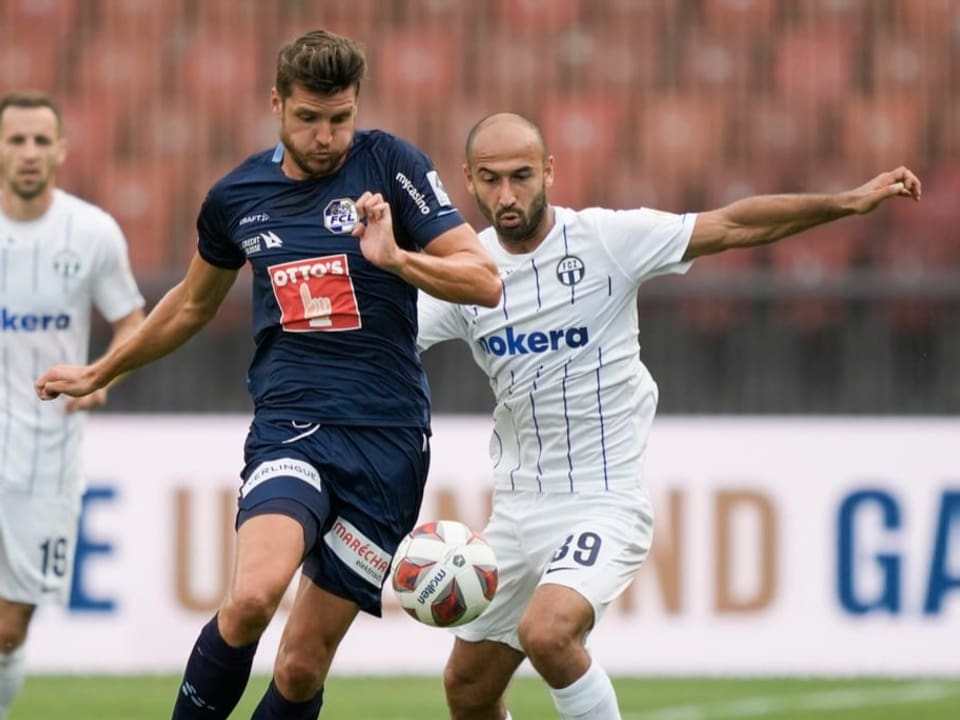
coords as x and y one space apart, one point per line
72 380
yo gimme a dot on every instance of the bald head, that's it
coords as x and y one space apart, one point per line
503 135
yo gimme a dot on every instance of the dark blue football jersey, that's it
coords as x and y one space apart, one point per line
335 335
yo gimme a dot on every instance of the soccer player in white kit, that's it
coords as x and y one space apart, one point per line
59 257
572 520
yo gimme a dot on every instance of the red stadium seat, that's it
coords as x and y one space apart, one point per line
220 73
410 67
92 128
926 19
56 18
514 71
882 132
774 131
716 62
33 60
143 197
814 67
910 67
917 248
124 69
584 133
739 17
537 16
682 135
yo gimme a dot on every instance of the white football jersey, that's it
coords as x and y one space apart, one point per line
574 404
52 270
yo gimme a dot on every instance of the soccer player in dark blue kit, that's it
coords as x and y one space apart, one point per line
340 227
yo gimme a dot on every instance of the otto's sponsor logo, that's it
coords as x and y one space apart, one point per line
292 272
432 586
32 322
536 341
315 294
570 270
358 552
340 216
414 194
255 218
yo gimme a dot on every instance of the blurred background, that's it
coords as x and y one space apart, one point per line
680 105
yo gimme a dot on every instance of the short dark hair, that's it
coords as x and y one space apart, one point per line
320 62
31 99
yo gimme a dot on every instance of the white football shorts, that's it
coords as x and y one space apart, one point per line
592 542
38 538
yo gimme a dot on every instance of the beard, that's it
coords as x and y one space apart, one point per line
310 166
30 190
530 220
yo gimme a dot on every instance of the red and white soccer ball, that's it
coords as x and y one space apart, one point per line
444 573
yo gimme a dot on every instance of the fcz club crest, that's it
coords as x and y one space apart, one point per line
570 270
315 294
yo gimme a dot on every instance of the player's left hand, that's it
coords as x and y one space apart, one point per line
377 242
895 183
73 380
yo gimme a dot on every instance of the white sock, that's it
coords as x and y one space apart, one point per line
590 697
11 677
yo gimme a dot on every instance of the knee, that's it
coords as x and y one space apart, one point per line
248 611
297 675
542 642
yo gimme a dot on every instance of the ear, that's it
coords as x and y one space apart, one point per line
548 171
468 179
276 102
61 151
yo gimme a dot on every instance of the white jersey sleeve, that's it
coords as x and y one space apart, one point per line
115 292
438 320
644 243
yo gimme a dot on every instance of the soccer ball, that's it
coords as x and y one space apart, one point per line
444 573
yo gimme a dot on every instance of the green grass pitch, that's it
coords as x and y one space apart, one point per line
417 698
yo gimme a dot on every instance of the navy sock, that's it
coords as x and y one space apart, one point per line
215 677
274 706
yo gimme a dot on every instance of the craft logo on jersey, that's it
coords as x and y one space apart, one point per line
255 218
66 263
534 341
570 270
340 215
315 294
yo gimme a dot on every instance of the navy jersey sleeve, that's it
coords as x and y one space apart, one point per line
421 208
213 238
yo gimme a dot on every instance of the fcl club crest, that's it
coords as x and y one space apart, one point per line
570 270
340 216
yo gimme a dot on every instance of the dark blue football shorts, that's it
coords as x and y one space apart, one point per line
355 490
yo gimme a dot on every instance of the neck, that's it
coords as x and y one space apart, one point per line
24 209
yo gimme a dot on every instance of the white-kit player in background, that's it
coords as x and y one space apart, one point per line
572 520
59 256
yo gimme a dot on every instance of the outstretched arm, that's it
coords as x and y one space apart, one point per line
767 218
123 328
178 316
454 267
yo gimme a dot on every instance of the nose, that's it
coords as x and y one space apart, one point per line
506 197
323 134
